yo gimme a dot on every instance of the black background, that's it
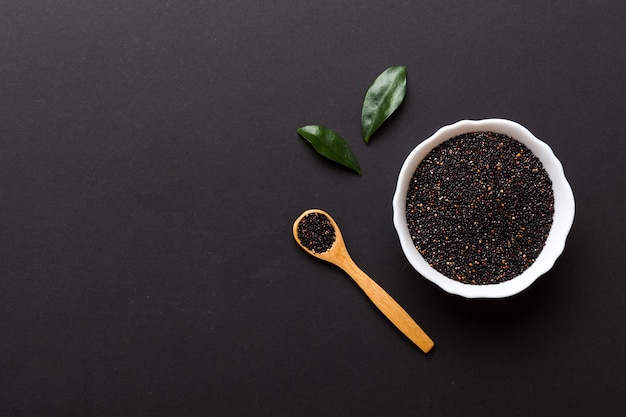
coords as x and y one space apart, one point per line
150 173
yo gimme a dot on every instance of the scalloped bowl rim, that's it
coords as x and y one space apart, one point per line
562 221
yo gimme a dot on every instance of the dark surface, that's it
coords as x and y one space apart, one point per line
150 172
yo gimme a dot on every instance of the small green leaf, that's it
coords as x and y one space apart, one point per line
331 145
382 98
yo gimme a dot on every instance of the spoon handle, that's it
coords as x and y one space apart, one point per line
389 307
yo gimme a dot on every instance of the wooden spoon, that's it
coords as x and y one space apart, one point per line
338 255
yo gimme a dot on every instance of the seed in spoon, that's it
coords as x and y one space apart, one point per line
316 233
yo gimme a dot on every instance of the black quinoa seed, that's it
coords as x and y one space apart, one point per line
479 208
316 233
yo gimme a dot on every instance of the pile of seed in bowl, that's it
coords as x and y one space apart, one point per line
479 208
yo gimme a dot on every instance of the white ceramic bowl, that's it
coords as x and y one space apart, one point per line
563 209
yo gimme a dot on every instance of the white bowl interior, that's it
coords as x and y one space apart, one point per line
563 209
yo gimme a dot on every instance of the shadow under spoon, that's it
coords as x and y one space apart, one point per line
318 234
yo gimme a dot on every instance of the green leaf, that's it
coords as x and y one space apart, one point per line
331 145
382 98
